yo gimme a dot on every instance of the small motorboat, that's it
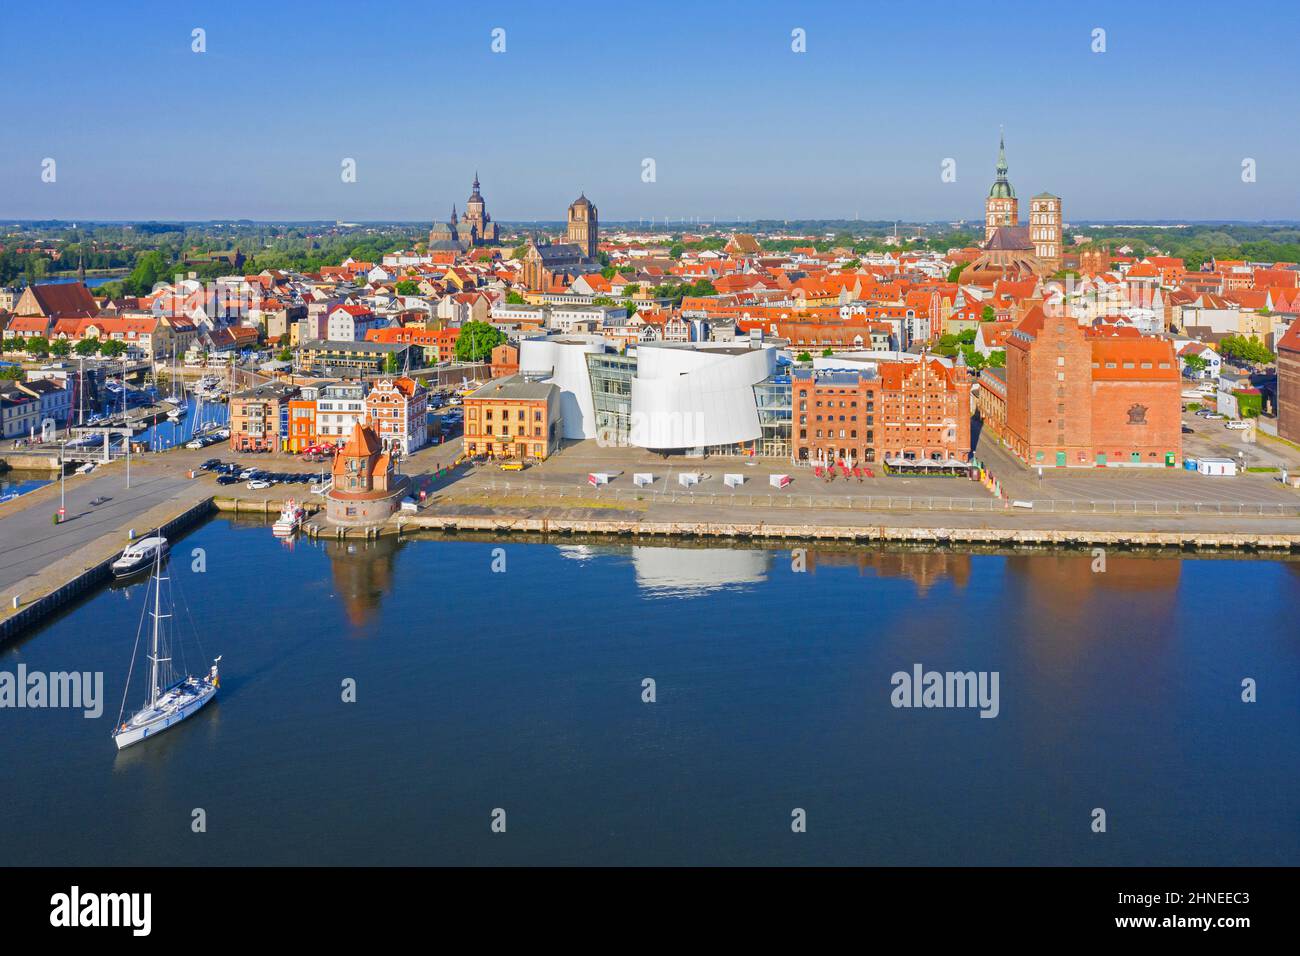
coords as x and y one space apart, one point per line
139 555
290 520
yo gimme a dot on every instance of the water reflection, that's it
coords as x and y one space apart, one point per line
362 572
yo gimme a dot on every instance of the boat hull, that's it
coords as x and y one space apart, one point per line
134 734
126 570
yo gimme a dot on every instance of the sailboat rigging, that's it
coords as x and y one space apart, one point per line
170 699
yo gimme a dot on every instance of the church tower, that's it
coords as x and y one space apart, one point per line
1001 208
583 226
476 226
1045 229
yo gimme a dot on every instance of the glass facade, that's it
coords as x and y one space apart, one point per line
611 394
775 412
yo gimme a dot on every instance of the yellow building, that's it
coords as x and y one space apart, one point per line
513 418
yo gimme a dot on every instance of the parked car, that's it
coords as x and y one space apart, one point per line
257 484
1237 426
227 480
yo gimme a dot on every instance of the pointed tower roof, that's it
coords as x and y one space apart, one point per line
1001 188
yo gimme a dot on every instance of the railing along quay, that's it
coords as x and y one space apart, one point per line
792 499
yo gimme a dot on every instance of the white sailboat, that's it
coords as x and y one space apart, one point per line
170 700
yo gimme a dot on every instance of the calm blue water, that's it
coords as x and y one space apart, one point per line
92 282
522 690
168 434
18 483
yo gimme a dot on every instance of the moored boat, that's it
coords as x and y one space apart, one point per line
290 520
171 698
139 555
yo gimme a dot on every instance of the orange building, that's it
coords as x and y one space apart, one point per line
437 345
302 424
899 412
365 488
1075 399
513 418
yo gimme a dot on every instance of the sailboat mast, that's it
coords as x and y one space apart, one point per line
157 609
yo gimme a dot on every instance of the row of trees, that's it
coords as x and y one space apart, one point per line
39 347
1245 349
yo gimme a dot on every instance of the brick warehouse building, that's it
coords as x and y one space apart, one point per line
898 410
1076 399
1288 383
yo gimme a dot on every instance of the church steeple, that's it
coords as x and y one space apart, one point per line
1001 188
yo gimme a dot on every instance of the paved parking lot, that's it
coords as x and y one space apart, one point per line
571 466
1212 439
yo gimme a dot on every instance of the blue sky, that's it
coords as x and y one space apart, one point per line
738 124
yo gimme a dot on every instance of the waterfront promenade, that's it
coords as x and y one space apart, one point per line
1139 509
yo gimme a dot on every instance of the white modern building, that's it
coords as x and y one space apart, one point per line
338 408
697 395
693 396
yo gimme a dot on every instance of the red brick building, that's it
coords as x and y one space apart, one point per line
1078 400
909 411
1288 383
505 360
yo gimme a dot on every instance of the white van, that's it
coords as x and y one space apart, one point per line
1237 426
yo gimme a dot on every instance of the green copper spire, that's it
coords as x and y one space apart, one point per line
1001 188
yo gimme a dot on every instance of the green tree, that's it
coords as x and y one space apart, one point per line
998 358
407 287
827 353
514 298
1245 349
391 365
804 357
974 360
11 372
87 347
987 314
60 347
37 345
477 340
1195 363
112 348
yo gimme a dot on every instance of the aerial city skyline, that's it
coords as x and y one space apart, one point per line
568 437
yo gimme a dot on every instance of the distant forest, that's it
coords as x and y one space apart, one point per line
150 252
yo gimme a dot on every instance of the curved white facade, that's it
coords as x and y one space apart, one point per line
566 360
690 397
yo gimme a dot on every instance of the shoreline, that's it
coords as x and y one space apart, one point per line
71 577
882 531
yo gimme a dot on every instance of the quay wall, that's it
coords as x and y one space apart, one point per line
777 531
82 571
